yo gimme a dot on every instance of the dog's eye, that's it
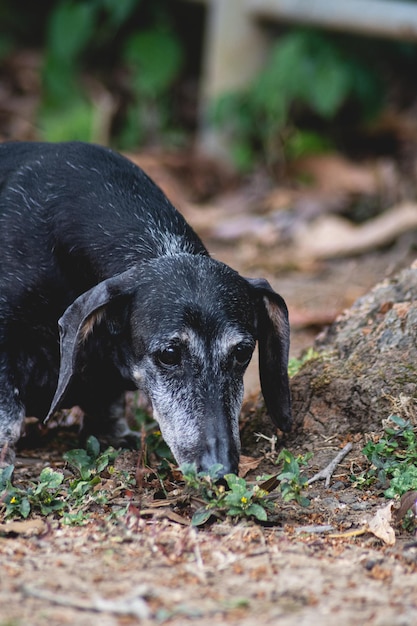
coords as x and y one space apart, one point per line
242 354
169 356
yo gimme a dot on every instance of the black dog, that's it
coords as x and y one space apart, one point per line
88 239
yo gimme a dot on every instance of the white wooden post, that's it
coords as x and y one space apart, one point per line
235 48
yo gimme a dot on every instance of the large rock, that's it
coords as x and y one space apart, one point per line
366 366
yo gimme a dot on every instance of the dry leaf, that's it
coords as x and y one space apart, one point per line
246 464
380 526
408 501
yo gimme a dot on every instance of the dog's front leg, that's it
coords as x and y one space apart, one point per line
12 414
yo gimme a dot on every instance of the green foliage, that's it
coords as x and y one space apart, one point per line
392 458
153 444
293 482
79 32
89 462
240 499
295 364
154 58
44 496
53 493
306 71
72 121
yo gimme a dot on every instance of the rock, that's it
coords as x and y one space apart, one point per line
366 368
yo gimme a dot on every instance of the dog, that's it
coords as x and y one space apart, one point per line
104 288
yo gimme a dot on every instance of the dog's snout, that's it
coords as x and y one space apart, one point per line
220 451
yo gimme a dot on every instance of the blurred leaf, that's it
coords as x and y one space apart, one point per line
307 72
257 511
201 516
156 58
70 122
119 10
93 447
70 27
303 143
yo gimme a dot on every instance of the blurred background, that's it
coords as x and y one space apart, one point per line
140 73
285 131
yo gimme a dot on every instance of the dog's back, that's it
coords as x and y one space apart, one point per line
62 212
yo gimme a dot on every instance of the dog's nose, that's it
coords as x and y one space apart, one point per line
220 452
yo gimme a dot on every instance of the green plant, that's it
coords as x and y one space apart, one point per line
307 71
392 459
240 499
89 464
292 480
44 496
153 444
53 493
67 111
154 58
79 35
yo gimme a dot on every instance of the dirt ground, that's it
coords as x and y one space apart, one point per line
303 567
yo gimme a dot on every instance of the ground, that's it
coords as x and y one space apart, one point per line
305 566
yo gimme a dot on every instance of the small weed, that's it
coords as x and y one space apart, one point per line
44 496
240 499
54 493
392 459
292 481
153 445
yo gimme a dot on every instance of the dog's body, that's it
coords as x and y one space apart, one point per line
87 237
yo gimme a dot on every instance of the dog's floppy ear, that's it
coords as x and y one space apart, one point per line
273 342
78 320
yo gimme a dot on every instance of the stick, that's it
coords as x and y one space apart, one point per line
135 606
327 472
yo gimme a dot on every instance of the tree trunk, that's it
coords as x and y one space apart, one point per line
366 364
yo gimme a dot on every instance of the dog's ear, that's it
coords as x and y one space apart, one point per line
78 321
273 342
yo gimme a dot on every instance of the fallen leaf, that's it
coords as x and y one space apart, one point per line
248 463
408 501
380 526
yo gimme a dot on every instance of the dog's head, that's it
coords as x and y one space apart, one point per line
193 324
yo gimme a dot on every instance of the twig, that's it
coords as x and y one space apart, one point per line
327 472
272 440
135 606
